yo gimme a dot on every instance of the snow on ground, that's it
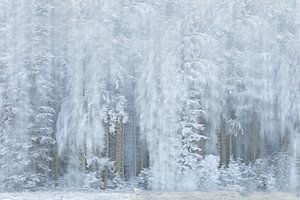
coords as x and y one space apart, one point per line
215 196
67 196
145 196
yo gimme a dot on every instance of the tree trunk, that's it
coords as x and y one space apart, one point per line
105 172
34 167
119 147
262 146
230 146
56 167
222 142
253 140
142 158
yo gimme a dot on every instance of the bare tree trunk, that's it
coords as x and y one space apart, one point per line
262 146
245 153
105 172
94 167
48 168
84 157
230 146
285 142
222 142
142 157
34 167
119 147
253 139
56 167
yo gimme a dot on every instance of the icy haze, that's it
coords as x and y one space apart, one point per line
162 95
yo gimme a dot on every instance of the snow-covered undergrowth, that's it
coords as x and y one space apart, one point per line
144 196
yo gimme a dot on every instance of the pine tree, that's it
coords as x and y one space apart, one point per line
15 107
42 91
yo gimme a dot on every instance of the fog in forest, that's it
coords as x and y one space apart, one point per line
159 95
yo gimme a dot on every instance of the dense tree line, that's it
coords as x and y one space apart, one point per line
162 95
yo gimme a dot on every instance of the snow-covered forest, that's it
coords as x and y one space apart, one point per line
161 95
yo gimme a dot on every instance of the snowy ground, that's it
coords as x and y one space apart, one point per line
144 196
